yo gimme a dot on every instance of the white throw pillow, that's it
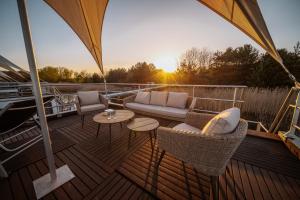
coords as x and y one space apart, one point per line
142 97
177 99
158 98
223 123
88 97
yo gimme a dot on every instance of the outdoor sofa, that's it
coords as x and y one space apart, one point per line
163 104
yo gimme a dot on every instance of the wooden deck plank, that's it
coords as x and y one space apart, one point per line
245 181
261 183
5 190
230 186
17 187
99 175
239 191
270 184
253 182
27 183
287 187
34 173
278 185
76 182
59 192
293 183
77 171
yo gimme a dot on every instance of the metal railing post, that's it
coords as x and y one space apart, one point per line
295 115
193 91
234 97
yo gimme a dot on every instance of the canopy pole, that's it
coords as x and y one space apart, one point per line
49 182
36 86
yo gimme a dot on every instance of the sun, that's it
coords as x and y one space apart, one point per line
166 62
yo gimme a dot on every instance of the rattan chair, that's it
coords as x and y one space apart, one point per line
89 101
209 154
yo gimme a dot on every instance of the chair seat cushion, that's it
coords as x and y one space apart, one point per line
223 123
142 97
177 99
187 128
160 110
88 97
89 108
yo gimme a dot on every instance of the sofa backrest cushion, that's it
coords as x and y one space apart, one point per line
177 99
142 97
158 98
223 123
88 97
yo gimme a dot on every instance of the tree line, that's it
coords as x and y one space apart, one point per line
243 65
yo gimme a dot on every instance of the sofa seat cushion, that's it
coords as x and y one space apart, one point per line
223 123
177 99
89 108
88 97
158 98
142 97
187 128
160 110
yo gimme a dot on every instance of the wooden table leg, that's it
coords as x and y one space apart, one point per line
150 135
98 129
129 138
109 134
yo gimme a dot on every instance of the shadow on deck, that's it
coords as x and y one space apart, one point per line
261 168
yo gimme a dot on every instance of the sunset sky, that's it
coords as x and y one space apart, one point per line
156 31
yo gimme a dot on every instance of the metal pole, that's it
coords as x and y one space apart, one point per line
234 97
36 86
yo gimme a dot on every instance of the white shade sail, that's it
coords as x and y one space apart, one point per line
86 18
246 16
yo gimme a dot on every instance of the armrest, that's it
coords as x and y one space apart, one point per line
192 105
198 120
104 100
128 100
77 103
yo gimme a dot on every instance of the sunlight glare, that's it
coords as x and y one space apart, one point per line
166 62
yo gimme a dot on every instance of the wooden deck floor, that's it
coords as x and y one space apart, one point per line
116 172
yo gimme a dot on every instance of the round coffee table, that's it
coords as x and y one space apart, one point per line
143 125
119 117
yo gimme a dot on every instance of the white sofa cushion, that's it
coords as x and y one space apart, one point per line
223 123
187 128
158 98
88 97
94 107
142 97
161 110
177 99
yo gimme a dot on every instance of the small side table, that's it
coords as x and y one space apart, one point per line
143 125
119 117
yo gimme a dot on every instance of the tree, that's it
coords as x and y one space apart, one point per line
142 72
118 75
49 74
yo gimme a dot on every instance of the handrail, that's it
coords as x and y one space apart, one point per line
130 84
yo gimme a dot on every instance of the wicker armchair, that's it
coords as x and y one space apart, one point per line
89 101
208 154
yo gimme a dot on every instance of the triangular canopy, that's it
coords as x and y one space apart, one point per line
86 19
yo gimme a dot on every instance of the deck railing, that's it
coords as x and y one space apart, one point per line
65 93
